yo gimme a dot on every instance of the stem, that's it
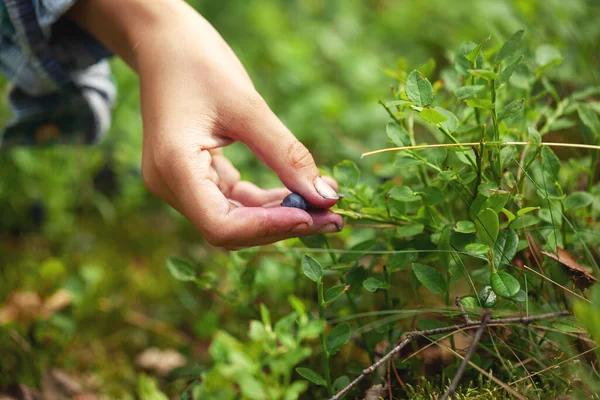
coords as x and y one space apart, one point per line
388 303
496 164
325 353
396 120
479 159
463 365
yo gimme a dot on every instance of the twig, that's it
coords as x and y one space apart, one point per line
488 375
463 365
410 336
460 306
471 144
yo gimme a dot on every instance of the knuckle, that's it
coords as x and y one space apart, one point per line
298 156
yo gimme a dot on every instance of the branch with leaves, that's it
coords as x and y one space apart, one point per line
448 329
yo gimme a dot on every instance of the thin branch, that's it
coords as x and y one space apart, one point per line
464 314
463 365
410 336
471 144
488 375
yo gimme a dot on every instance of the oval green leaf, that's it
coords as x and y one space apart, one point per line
311 376
504 284
430 278
338 337
312 269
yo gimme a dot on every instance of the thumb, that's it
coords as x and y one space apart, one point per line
279 149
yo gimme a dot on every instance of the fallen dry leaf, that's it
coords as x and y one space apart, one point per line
160 361
59 300
21 306
581 276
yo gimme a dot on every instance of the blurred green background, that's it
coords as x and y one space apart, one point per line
81 219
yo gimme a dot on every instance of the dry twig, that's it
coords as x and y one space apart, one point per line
463 365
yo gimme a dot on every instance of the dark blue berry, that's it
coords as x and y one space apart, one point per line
296 201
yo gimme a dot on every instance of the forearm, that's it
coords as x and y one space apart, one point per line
137 29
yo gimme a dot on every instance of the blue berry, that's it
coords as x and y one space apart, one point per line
296 201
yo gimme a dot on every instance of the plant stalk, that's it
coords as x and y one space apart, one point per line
325 353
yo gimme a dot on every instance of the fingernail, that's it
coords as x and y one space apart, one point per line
325 190
331 228
300 227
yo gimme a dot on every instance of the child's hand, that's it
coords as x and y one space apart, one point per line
197 98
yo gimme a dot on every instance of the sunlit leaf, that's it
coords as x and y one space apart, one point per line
504 284
419 90
311 268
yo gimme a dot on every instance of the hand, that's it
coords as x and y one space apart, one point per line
196 99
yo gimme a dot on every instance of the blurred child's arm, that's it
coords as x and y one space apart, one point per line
197 98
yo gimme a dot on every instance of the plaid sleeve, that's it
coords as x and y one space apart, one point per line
62 91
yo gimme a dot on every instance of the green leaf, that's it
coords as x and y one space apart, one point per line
511 46
526 210
504 284
312 269
419 90
400 261
357 252
334 293
311 376
430 278
524 221
589 118
484 74
477 249
468 91
346 173
430 115
265 315
550 162
578 200
397 134
340 383
505 247
403 161
472 56
485 104
148 389
487 226
512 110
338 337
464 227
470 302
511 217
402 193
451 122
372 284
520 297
410 230
534 136
507 72
181 269
432 196
314 241
547 55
